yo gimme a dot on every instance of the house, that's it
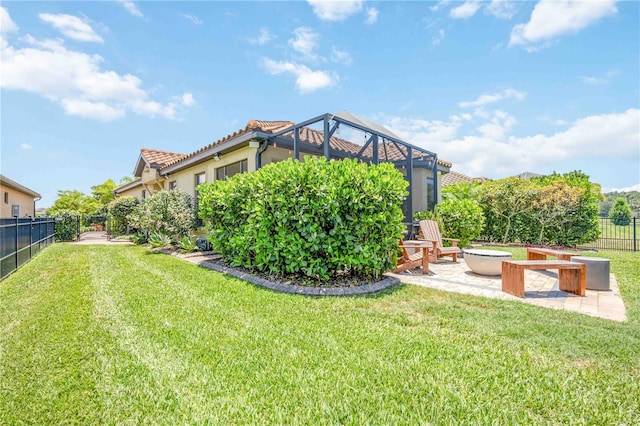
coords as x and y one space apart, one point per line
527 175
17 200
452 178
263 142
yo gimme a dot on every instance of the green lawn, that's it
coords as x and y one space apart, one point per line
103 334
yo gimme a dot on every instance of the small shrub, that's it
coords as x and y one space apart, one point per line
620 212
66 226
119 211
460 218
139 238
187 244
158 239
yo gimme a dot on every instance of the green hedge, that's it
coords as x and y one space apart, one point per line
315 218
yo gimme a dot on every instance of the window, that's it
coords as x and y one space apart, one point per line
231 169
6 197
173 185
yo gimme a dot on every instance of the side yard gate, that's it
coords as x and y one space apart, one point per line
21 239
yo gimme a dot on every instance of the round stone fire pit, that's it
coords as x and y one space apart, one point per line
485 262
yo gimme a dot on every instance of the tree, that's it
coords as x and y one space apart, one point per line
553 206
620 213
75 202
503 201
104 192
125 179
462 191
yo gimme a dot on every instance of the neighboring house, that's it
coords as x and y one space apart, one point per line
262 142
452 178
16 199
527 175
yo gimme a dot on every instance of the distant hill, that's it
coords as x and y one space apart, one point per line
632 197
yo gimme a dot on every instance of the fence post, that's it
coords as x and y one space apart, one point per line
17 231
31 240
635 243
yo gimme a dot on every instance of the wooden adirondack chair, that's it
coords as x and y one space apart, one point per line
415 260
431 232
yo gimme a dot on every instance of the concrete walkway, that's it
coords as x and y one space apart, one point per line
98 237
541 288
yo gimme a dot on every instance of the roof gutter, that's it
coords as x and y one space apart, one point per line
209 153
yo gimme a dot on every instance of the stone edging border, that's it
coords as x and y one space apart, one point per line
383 284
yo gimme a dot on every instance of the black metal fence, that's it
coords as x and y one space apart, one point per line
616 237
21 239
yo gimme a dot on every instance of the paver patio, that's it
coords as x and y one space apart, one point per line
541 288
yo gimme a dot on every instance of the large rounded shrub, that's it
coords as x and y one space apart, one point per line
168 213
119 210
315 218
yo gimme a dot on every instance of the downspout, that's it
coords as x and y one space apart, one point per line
264 143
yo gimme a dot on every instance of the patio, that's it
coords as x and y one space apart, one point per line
541 288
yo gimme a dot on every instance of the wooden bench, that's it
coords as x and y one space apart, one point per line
538 253
571 275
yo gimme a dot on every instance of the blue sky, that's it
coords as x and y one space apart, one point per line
497 88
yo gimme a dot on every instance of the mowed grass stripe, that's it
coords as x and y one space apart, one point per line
170 342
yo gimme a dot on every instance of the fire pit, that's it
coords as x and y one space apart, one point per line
485 262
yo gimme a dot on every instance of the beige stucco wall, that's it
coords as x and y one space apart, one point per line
186 178
25 201
133 192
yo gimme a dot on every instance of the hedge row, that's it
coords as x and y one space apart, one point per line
315 218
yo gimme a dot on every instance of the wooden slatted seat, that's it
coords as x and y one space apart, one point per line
414 260
539 253
571 275
431 232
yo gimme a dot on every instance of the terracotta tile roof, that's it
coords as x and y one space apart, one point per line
310 136
452 178
386 150
159 159
252 125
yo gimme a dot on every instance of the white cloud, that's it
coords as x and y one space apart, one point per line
77 82
194 19
25 146
131 7
553 18
307 80
438 38
466 10
483 154
501 9
71 26
483 100
187 100
340 56
333 10
262 39
438 5
89 109
605 79
372 16
6 23
305 42
635 187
